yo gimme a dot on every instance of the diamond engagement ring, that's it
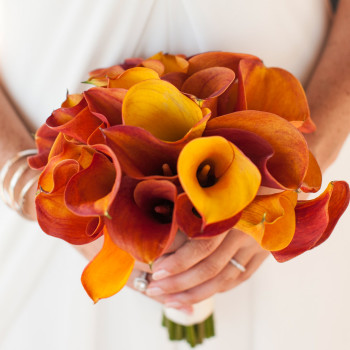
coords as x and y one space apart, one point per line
236 264
141 283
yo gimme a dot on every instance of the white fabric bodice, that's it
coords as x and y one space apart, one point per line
47 47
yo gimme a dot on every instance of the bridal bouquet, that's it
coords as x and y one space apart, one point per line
172 143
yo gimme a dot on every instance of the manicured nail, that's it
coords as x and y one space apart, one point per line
158 275
174 305
154 291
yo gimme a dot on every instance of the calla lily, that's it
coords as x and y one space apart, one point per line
218 178
316 219
108 272
60 151
175 78
270 219
106 104
66 159
313 179
44 139
160 108
54 217
101 76
208 84
91 191
217 59
258 150
140 153
191 223
290 161
172 63
273 90
132 76
77 122
150 229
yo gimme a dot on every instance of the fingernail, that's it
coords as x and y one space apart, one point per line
154 291
158 275
174 305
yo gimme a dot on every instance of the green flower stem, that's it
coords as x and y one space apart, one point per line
194 334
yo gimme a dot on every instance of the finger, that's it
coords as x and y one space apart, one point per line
203 271
188 255
229 277
161 299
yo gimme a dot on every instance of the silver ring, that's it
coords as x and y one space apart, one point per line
236 264
141 283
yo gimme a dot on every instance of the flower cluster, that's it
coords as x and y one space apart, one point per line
169 143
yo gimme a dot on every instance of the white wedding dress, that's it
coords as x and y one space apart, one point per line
47 47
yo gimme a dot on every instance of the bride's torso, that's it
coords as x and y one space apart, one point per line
48 47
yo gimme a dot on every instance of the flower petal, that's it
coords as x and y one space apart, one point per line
273 90
132 76
158 107
191 223
253 146
140 153
150 202
54 217
270 219
172 63
316 219
217 59
313 179
106 104
91 191
77 122
218 178
108 272
44 139
289 164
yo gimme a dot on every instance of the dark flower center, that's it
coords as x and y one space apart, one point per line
206 175
163 211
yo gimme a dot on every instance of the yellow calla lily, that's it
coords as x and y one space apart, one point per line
160 108
217 177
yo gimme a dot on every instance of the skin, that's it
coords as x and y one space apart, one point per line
197 269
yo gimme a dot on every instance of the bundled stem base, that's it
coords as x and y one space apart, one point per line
194 334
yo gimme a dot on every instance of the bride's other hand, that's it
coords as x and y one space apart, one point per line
201 268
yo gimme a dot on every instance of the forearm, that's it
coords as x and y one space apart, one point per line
14 137
329 91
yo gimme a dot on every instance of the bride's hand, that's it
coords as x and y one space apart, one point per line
201 268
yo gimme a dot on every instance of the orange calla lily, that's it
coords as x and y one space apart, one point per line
44 139
108 272
140 153
273 90
54 217
191 223
313 179
151 229
208 84
217 59
290 161
77 122
91 191
218 178
270 219
106 104
316 219
160 108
